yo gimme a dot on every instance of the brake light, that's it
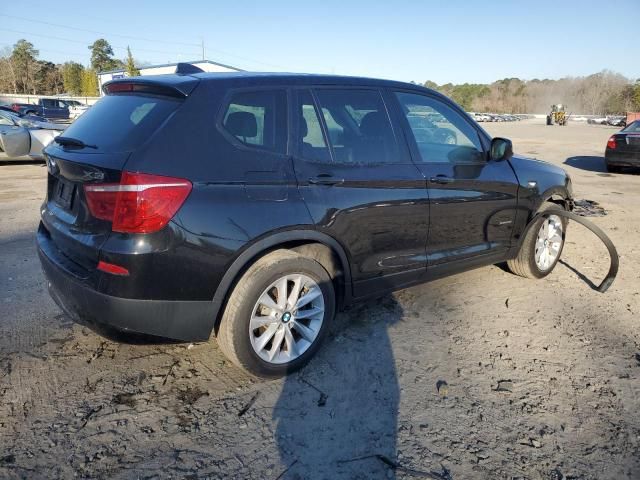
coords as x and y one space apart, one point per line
611 143
140 203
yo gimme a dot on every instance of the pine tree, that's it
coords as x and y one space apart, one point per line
89 82
72 73
130 65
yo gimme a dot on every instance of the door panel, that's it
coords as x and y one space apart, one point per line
379 214
473 200
377 210
474 213
15 141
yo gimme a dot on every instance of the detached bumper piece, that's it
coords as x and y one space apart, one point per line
613 253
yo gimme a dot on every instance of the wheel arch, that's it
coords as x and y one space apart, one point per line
556 194
317 245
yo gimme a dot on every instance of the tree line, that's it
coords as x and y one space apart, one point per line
21 70
602 93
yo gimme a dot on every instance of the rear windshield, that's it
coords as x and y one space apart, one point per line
633 127
121 123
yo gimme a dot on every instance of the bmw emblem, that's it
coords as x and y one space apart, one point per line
286 317
52 166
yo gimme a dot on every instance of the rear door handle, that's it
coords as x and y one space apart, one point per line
442 179
325 179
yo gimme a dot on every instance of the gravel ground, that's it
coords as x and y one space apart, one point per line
479 375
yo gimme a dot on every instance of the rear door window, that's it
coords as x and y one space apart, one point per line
257 119
358 126
121 123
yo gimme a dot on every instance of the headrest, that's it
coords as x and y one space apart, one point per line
373 124
304 128
242 124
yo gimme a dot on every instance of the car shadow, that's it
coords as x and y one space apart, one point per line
587 162
337 419
6 163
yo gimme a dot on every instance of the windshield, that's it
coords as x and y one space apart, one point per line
121 123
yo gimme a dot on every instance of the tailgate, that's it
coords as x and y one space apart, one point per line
65 214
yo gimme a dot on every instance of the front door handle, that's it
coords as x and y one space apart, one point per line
442 179
325 179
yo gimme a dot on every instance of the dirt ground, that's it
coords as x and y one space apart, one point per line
480 375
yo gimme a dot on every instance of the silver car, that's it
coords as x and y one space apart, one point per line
24 137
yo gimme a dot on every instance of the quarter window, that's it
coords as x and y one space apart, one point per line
358 126
441 134
258 119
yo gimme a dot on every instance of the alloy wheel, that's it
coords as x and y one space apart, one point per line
286 319
548 242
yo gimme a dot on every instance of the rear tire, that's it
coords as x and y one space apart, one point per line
613 168
529 262
268 334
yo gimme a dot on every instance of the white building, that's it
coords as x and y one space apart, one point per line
206 65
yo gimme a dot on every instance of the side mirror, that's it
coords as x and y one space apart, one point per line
501 149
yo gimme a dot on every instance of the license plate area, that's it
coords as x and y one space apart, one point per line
63 193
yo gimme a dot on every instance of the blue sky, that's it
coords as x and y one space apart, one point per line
444 41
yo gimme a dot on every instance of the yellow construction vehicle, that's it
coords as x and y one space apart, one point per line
558 115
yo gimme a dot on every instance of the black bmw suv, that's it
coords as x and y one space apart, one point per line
253 206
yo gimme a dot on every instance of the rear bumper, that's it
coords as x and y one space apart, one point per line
629 159
179 320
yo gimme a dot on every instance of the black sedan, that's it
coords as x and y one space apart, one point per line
623 148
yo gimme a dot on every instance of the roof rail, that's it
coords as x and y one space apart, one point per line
187 69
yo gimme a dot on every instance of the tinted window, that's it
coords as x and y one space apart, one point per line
358 125
120 123
258 119
311 142
442 135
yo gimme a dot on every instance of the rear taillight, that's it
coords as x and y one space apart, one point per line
140 203
611 143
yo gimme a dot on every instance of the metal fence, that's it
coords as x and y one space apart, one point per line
22 98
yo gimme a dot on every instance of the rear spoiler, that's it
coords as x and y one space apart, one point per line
178 86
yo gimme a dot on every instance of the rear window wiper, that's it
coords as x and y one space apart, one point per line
72 142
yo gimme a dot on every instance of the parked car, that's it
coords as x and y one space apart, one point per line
623 148
482 117
49 108
617 121
24 137
7 108
597 121
76 108
181 205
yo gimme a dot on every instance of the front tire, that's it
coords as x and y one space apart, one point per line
542 245
277 315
